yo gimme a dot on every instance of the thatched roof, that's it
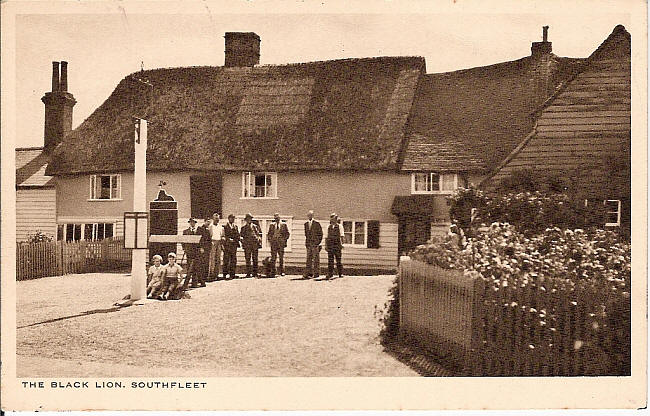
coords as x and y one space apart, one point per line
472 119
342 114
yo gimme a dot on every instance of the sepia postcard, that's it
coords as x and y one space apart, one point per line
265 205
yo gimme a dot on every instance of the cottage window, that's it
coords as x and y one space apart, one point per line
89 231
264 221
434 182
105 187
613 207
612 210
355 233
259 185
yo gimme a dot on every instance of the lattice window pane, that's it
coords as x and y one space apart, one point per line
448 182
359 232
347 232
434 182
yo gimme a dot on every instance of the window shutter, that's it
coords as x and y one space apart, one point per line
373 234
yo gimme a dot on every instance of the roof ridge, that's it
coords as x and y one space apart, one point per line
284 65
487 67
457 71
362 59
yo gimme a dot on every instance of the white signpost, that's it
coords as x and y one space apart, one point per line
139 253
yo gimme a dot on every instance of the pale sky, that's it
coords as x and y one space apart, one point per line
103 49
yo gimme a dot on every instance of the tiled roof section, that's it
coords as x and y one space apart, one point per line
583 134
422 154
480 114
343 114
30 168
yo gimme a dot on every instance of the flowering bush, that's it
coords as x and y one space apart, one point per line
466 206
501 250
39 237
530 211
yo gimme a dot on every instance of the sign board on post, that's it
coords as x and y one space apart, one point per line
135 230
139 255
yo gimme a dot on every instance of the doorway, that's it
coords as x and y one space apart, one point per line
413 230
205 195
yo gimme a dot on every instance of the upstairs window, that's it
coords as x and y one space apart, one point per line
259 185
105 187
434 182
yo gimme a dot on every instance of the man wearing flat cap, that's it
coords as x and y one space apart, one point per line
251 240
231 239
192 254
334 245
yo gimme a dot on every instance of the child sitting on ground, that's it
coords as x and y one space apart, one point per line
155 276
171 279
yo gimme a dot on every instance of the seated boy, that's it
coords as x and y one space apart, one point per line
155 277
171 278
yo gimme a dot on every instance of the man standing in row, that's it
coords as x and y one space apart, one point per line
216 231
313 239
192 254
230 245
251 238
277 237
334 245
205 246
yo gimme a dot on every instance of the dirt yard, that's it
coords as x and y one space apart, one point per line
68 326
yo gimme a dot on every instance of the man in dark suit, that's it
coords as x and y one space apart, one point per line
334 245
230 245
277 237
313 239
251 241
205 245
192 254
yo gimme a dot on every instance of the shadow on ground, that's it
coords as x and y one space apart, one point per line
86 313
420 360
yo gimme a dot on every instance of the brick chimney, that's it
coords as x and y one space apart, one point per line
242 49
58 107
544 69
543 47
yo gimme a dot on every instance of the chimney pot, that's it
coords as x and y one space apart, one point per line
543 47
55 76
63 86
58 108
242 49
